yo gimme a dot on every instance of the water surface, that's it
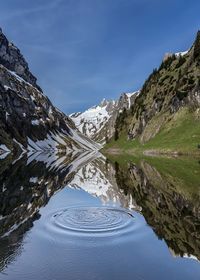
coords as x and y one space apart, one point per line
84 217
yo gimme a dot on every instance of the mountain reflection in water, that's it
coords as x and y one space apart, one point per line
170 206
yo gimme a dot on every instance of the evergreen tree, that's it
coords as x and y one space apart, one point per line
116 136
196 53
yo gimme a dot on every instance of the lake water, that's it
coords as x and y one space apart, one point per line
86 217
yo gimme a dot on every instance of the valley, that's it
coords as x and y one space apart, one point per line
112 192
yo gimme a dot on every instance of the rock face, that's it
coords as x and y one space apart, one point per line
98 122
170 88
13 60
28 120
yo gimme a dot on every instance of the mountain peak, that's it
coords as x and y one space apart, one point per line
28 120
198 34
98 122
105 102
13 60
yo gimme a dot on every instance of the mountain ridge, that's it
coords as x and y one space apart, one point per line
98 121
28 119
165 115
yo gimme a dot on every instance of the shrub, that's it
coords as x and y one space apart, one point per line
181 61
181 94
116 136
196 53
167 63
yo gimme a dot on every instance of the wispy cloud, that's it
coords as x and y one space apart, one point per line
20 11
84 50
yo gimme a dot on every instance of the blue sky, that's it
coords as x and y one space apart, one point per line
84 50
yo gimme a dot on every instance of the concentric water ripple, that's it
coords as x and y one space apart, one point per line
93 221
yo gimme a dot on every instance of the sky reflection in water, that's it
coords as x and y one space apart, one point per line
96 221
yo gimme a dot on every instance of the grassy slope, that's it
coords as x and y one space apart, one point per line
164 132
181 134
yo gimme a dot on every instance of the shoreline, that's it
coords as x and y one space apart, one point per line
149 152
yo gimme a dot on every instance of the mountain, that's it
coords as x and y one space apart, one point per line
165 115
98 122
28 119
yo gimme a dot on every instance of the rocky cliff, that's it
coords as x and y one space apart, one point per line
28 120
98 122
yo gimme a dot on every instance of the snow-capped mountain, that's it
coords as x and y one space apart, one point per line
98 122
28 120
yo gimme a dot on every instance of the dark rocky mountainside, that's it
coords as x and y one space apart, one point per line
13 60
28 120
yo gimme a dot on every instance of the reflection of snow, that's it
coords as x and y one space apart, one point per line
99 181
4 148
33 180
92 180
4 155
190 257
62 167
185 255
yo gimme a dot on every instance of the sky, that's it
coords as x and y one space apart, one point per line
82 51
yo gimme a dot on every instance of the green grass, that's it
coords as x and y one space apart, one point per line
181 134
123 143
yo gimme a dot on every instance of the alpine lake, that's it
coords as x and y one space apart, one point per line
89 217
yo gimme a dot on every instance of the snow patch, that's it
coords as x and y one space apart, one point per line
91 121
181 53
129 95
35 122
33 180
4 155
7 88
4 148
